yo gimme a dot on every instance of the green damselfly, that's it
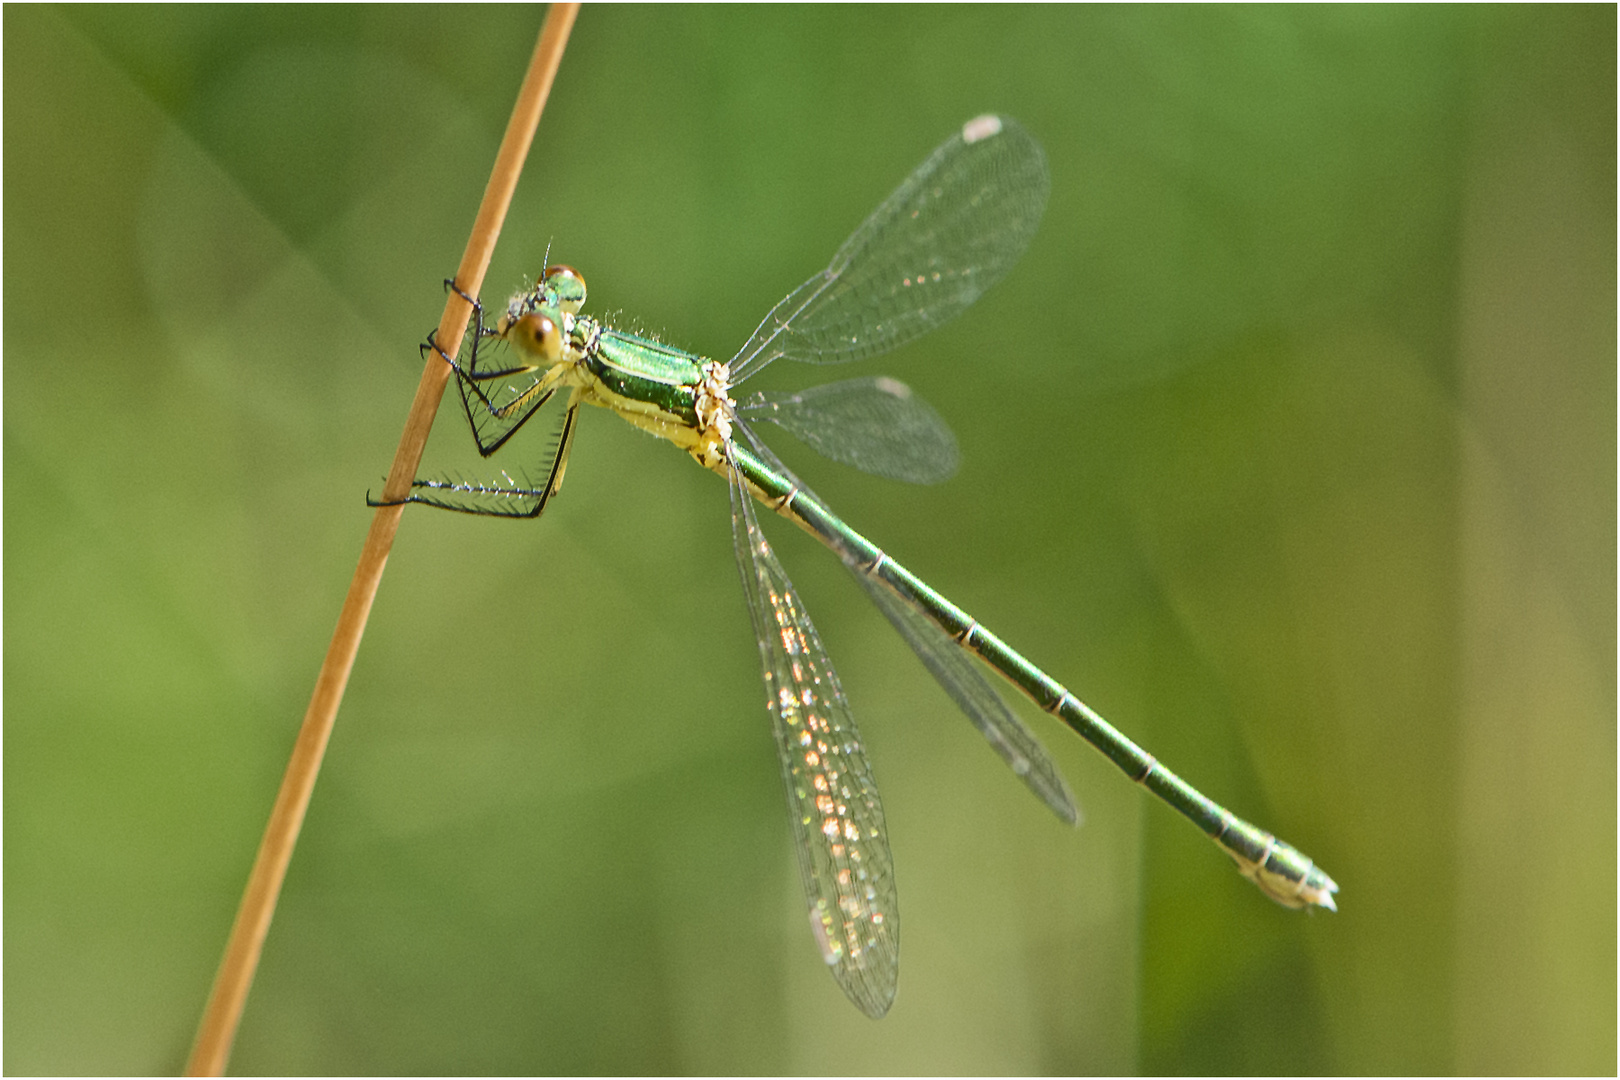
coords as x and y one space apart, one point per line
953 229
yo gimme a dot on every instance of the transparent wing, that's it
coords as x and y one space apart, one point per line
945 236
838 831
973 694
876 424
955 672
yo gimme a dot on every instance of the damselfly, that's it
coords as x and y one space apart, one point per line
953 229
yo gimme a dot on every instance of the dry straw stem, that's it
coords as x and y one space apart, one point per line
224 1010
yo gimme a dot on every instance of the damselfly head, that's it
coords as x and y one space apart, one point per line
539 318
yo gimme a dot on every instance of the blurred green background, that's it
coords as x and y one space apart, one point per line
1289 446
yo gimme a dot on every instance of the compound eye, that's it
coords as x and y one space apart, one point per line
534 333
567 285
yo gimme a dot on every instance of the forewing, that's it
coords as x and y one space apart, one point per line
837 821
953 229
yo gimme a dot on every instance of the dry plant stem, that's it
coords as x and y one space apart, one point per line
224 1010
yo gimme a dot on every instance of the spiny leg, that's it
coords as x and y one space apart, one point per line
492 422
499 400
514 497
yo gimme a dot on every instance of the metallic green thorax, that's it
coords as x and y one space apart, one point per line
639 369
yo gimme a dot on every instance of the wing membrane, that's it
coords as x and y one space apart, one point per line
876 424
952 230
1007 735
838 831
